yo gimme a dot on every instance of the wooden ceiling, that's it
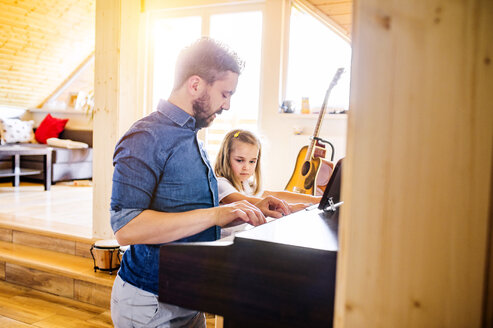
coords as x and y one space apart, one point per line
42 42
339 11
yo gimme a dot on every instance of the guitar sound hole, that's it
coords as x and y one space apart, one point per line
305 168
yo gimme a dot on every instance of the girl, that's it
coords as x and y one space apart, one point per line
238 173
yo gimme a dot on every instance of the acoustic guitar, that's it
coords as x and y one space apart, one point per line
312 171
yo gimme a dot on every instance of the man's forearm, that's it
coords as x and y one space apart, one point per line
154 227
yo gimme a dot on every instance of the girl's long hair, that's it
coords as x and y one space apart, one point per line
222 167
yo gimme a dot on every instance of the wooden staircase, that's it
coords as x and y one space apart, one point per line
52 262
44 245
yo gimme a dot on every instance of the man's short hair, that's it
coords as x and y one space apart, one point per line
206 58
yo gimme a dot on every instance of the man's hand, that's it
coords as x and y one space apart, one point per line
273 207
241 210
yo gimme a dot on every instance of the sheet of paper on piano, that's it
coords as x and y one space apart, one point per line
229 232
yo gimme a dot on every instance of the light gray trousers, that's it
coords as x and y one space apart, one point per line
132 307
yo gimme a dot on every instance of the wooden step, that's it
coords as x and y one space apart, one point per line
55 272
45 239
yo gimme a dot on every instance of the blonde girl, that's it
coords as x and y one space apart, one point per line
239 174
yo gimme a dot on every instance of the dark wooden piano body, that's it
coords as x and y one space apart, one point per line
280 274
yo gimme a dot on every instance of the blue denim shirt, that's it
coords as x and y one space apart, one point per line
160 165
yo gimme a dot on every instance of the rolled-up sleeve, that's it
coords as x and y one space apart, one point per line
136 174
122 217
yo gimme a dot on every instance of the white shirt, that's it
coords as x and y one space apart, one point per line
226 188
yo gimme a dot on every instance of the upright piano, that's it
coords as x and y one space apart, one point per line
280 274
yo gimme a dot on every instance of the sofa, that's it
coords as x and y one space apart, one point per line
67 164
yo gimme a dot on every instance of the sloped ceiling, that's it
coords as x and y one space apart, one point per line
339 11
41 43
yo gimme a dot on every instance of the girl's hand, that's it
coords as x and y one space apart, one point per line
298 206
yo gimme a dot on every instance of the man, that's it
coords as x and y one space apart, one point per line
164 188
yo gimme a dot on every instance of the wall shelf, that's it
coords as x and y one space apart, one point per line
68 110
77 119
314 116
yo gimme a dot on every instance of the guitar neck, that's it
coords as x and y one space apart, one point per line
316 132
309 153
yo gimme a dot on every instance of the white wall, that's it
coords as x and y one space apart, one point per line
77 120
281 146
11 112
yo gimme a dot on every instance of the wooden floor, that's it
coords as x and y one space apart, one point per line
65 208
23 307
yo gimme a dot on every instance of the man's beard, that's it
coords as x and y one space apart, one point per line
201 109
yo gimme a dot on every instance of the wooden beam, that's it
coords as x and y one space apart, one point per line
324 18
417 179
488 290
116 95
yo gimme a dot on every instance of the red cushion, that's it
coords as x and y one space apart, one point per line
50 127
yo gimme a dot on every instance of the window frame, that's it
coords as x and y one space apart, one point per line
205 12
309 9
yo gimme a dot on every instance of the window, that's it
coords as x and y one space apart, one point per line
170 36
313 61
246 39
239 29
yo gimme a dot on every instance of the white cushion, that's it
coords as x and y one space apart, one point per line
15 130
66 143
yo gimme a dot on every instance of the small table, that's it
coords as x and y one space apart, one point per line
16 151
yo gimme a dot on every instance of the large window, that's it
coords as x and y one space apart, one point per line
241 29
170 36
315 53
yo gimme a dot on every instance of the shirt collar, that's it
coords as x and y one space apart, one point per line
176 114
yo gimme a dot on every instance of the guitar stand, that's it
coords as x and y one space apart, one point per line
325 142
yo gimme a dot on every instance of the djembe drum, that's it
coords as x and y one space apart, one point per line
106 255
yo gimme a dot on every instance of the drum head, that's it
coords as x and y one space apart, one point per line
106 244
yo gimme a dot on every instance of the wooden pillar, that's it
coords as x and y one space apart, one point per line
274 61
488 290
117 95
417 177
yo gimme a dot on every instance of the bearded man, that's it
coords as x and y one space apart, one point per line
164 188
